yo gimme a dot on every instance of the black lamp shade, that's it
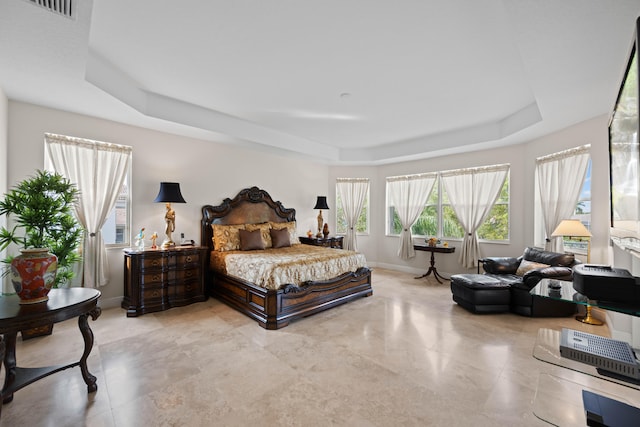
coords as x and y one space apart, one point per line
321 203
169 192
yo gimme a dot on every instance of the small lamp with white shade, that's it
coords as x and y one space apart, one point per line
574 228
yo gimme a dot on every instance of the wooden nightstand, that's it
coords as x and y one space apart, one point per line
158 279
329 242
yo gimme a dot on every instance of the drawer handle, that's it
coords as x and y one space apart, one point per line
155 262
156 293
189 273
156 278
189 287
189 259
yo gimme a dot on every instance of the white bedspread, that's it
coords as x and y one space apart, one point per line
273 268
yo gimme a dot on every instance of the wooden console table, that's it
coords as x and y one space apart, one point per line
432 267
63 304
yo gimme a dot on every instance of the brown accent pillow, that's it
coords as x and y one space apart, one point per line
280 238
250 240
264 231
291 226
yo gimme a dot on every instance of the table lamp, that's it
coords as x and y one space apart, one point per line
321 203
169 193
574 228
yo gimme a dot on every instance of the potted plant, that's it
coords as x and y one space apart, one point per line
41 210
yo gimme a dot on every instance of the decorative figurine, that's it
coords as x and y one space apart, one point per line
325 230
140 239
154 236
170 227
309 234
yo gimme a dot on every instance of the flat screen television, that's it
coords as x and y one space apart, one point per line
624 157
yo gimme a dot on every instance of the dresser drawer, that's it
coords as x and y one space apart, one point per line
187 289
152 263
158 279
188 259
153 293
187 274
152 277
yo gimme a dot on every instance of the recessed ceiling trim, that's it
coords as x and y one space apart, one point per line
60 7
109 78
438 143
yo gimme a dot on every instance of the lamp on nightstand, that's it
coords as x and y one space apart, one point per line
321 203
169 193
575 228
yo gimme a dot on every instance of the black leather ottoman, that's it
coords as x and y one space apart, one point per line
479 293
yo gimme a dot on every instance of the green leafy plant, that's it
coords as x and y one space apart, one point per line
42 210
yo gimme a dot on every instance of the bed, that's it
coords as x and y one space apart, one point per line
272 303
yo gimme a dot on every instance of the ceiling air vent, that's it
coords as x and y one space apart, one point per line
60 7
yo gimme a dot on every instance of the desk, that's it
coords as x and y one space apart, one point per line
432 267
63 304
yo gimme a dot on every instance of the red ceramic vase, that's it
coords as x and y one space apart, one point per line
33 274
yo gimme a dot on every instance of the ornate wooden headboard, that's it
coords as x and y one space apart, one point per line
249 206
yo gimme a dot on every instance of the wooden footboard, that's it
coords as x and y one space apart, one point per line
275 309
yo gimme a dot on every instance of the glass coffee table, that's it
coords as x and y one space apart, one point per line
558 399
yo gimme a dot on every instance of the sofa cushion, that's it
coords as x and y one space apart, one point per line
507 279
500 265
526 266
547 257
479 281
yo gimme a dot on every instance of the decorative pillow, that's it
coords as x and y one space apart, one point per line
264 228
280 238
291 227
250 240
528 266
226 237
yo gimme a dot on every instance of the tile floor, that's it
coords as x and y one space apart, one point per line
407 356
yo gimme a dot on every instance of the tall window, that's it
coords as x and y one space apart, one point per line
116 229
562 191
438 218
100 171
362 226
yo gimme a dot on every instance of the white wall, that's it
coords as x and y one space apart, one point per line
207 172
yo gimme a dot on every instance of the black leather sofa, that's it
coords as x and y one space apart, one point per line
507 281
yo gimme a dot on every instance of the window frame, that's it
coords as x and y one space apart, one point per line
580 245
538 222
440 204
365 211
128 213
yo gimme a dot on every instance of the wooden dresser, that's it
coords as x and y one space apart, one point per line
329 242
158 279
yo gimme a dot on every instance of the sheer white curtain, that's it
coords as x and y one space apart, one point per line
408 194
560 177
353 193
472 193
99 170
